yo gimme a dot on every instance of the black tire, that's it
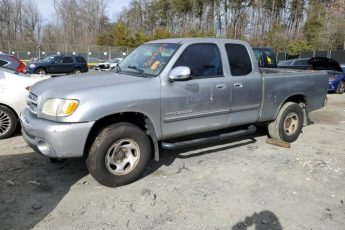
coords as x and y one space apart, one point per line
8 122
108 137
76 71
278 128
41 71
341 88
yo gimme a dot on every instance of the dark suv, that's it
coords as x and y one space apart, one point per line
58 64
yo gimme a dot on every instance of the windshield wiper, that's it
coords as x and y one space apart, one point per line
135 68
141 71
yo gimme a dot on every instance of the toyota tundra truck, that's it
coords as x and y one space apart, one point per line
167 94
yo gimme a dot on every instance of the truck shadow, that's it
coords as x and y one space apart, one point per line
31 187
167 157
264 220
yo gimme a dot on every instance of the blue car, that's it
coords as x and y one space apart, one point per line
336 82
58 64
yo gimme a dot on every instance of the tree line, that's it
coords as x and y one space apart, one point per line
293 25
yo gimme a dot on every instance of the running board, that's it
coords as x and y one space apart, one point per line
207 140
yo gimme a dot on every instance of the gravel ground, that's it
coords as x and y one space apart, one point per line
244 184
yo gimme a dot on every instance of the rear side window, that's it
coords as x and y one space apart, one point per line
301 62
239 59
202 59
3 62
80 60
67 60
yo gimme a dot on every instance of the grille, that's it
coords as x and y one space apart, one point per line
32 103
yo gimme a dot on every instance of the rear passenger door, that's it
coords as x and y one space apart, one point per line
246 93
67 64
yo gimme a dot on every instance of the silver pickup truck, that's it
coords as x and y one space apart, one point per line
169 94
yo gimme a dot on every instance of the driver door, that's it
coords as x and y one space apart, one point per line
201 103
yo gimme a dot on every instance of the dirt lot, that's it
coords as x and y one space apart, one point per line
237 185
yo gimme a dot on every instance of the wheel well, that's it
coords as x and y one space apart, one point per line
297 99
10 108
137 119
41 68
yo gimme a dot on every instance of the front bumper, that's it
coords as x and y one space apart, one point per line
54 139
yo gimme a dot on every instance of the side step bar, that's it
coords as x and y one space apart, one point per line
207 140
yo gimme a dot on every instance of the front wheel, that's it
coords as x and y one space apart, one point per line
288 124
41 72
119 155
341 88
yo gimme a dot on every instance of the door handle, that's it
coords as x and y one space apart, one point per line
238 85
220 86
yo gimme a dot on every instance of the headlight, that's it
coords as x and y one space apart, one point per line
59 107
32 66
333 77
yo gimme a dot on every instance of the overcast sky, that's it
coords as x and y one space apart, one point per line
46 7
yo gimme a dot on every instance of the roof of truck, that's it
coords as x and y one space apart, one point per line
197 40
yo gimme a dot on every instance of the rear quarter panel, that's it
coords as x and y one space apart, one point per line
279 86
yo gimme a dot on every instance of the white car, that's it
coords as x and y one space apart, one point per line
14 89
108 65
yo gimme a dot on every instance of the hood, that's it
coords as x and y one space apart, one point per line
75 83
323 63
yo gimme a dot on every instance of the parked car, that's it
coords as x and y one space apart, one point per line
266 57
12 62
14 89
108 65
336 74
173 93
58 64
298 63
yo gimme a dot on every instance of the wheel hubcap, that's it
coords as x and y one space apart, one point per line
5 123
291 124
41 72
122 157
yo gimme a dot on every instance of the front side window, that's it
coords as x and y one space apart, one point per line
148 59
239 59
58 60
203 60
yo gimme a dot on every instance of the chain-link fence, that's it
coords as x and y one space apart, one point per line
93 53
338 55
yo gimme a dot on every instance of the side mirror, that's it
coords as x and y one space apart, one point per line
180 73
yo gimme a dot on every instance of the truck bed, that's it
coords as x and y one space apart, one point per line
280 84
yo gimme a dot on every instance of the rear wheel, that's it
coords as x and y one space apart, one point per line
341 88
8 122
41 71
288 124
119 155
76 71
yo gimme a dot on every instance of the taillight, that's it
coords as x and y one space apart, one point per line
28 88
21 68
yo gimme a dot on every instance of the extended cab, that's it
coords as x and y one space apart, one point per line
170 94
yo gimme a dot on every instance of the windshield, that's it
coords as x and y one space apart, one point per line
48 59
148 59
